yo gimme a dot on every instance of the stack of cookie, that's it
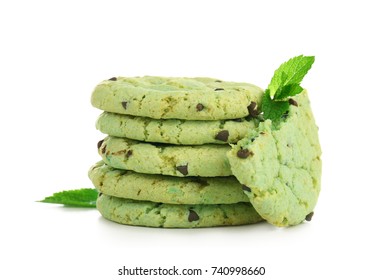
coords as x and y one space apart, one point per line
164 161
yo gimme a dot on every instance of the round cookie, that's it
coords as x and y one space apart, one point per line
151 214
173 131
165 189
176 98
205 160
281 167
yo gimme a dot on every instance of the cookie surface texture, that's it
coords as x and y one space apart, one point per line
205 160
165 189
151 214
176 98
173 131
281 167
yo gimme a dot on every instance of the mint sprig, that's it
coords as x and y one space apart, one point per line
76 198
284 84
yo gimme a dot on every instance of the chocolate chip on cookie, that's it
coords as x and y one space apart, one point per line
244 153
183 169
100 143
293 102
218 89
246 188
252 108
123 103
113 79
309 216
129 153
223 135
199 107
193 216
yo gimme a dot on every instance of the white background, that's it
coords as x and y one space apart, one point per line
54 52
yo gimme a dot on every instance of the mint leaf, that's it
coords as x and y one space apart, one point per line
284 84
76 198
288 91
272 109
290 72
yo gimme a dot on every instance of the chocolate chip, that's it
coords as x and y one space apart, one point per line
123 103
103 149
217 89
183 169
252 108
199 107
129 153
293 102
100 143
193 216
218 81
246 188
262 133
99 194
243 153
309 216
113 79
223 135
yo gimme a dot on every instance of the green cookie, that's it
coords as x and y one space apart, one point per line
151 214
176 98
205 160
166 189
281 167
180 132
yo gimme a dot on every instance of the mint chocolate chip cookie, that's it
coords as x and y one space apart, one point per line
166 189
177 98
173 131
280 166
205 160
151 214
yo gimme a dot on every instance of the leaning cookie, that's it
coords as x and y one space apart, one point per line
173 131
280 167
151 214
205 160
165 189
177 98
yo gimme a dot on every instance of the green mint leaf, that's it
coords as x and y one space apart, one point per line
288 91
284 84
272 109
76 198
290 72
